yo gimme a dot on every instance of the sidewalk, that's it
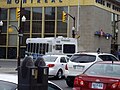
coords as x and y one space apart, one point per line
9 59
8 70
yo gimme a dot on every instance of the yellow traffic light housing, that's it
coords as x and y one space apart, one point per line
64 16
17 13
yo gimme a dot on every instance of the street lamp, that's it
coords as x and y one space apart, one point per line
73 32
1 24
23 19
20 35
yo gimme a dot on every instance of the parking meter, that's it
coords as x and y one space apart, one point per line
42 76
26 76
27 63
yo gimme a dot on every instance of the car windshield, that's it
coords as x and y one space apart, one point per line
112 70
7 86
50 58
83 58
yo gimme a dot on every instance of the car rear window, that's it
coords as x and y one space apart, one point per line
107 69
49 58
83 58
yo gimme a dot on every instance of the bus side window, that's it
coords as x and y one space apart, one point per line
69 48
28 47
37 48
31 47
58 47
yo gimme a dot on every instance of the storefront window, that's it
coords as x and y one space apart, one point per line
3 14
36 35
36 26
12 52
50 13
3 39
12 40
37 14
2 52
26 27
62 29
13 14
15 23
49 26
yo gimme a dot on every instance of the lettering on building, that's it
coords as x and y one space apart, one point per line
31 1
16 1
108 4
9 1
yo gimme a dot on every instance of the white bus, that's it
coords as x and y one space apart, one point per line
51 45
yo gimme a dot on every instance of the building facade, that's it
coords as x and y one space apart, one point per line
96 23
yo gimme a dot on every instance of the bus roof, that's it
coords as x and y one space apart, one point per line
51 39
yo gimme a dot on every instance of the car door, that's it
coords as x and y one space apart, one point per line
63 62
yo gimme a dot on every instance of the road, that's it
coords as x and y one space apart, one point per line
10 66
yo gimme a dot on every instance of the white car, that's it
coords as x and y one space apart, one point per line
79 62
9 82
56 64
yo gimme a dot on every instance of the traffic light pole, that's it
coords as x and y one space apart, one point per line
20 38
20 35
73 28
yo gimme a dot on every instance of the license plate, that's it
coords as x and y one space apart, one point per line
80 68
97 85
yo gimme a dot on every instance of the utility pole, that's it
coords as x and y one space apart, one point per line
115 35
20 33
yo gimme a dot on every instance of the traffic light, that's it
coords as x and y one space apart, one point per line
17 13
64 16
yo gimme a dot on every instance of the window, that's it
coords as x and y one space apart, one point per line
13 14
3 41
12 52
50 13
63 60
2 52
49 26
3 14
58 47
37 14
68 48
108 58
12 40
37 27
49 58
83 58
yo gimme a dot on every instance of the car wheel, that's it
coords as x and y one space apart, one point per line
59 74
69 82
